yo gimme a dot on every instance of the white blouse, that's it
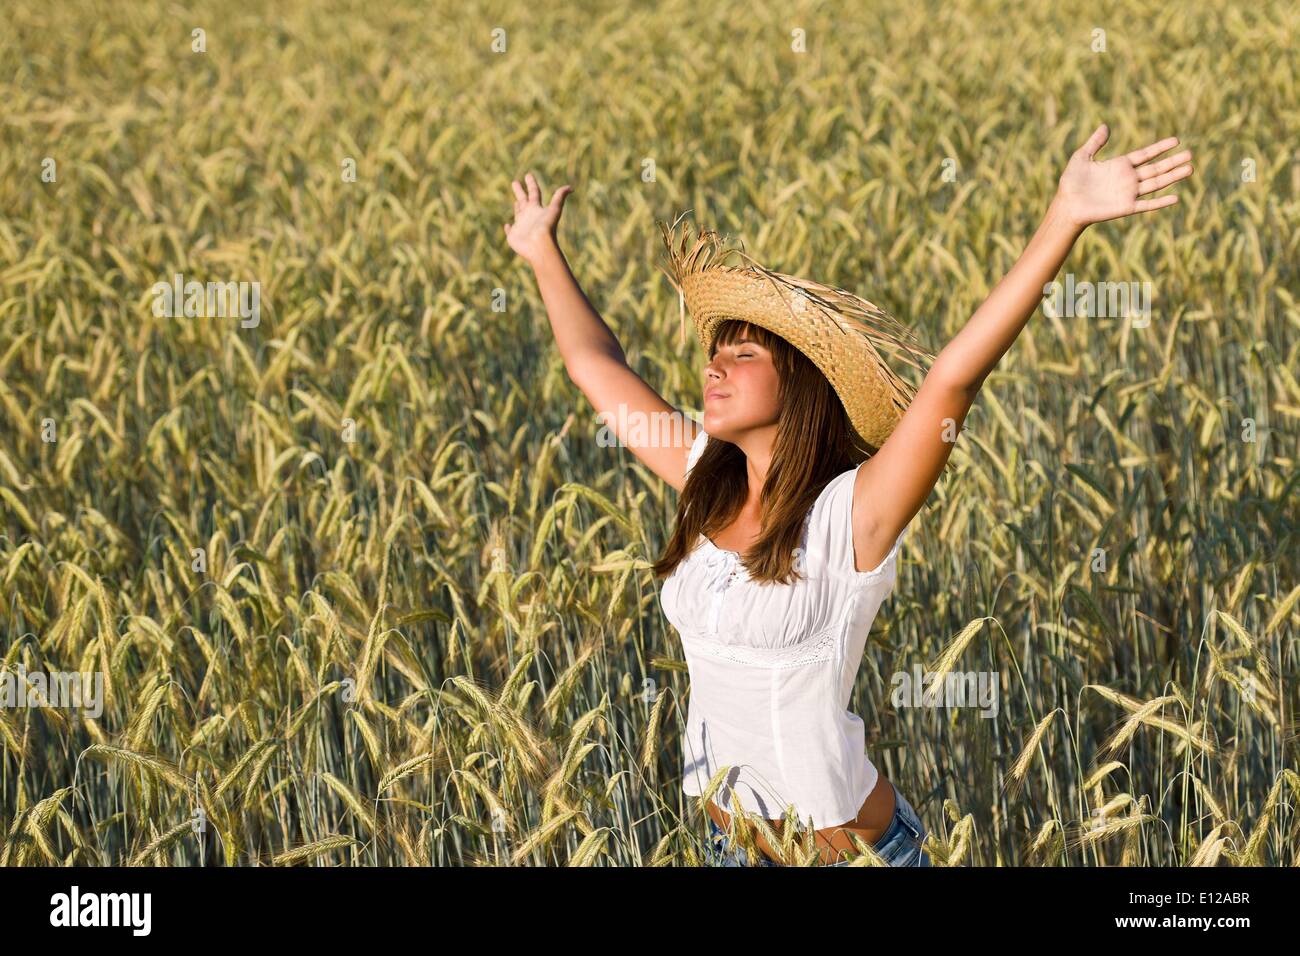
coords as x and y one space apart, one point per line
772 667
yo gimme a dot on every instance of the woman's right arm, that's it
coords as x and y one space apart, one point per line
658 434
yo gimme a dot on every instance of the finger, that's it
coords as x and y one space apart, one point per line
534 191
1140 156
1160 182
1146 205
1095 141
557 201
520 195
1155 169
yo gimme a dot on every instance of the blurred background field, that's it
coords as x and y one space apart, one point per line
431 644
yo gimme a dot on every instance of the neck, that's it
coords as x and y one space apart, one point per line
757 447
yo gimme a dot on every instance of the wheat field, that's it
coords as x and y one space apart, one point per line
361 583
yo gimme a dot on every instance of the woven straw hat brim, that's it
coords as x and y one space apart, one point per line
841 333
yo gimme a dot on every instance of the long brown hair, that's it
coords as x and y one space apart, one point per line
814 443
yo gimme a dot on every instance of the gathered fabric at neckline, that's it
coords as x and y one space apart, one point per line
803 539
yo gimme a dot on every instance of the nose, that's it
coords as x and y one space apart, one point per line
713 371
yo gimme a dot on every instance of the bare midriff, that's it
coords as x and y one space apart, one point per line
833 843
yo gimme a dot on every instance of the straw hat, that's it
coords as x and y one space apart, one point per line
841 333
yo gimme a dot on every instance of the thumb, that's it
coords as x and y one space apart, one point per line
557 201
1096 141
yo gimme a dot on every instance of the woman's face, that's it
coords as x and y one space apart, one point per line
741 390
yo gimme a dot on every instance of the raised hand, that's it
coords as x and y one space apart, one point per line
1094 190
534 225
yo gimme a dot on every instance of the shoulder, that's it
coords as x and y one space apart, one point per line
838 493
836 519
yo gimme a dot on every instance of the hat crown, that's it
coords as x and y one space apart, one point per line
841 333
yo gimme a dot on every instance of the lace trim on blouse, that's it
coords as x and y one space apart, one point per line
820 647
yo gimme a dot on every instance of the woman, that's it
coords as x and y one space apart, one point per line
796 487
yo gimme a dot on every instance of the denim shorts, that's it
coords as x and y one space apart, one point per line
899 845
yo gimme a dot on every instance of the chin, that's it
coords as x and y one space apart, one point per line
718 427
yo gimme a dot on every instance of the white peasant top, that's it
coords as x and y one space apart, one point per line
772 667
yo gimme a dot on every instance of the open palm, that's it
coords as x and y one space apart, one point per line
1094 191
535 223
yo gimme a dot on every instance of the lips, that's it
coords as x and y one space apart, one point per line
713 393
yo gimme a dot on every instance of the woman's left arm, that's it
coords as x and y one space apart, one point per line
893 484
